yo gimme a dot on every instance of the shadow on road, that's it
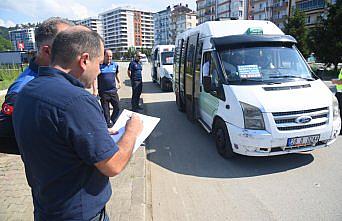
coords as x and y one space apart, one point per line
185 148
148 87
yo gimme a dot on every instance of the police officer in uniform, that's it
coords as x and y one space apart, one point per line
108 91
338 94
44 36
135 74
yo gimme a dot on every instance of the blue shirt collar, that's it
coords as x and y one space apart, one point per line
49 71
105 65
33 65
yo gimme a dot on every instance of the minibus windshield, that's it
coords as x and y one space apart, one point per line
268 64
167 58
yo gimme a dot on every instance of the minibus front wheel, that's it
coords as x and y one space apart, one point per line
222 140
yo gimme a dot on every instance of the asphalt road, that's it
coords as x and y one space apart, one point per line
190 181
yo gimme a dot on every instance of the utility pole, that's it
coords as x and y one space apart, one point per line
216 6
290 4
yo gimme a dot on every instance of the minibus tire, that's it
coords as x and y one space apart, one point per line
162 85
222 140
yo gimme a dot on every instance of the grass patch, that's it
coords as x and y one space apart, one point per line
2 99
8 74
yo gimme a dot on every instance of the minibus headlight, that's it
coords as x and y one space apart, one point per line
253 117
336 110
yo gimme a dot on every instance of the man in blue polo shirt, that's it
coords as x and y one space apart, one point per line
62 135
44 35
108 91
135 74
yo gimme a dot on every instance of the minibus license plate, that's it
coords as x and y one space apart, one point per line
302 141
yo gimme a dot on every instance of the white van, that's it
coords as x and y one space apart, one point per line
162 66
143 58
248 85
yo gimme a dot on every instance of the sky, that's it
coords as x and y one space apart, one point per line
21 12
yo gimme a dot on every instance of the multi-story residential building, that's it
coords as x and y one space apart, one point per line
280 12
276 11
23 39
182 18
261 9
206 10
94 24
210 10
313 9
126 27
162 31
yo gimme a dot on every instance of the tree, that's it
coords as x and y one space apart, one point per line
131 52
147 51
5 44
326 37
296 28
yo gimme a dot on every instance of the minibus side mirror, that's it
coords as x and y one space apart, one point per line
207 83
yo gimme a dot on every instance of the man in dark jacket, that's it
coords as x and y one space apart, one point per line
62 135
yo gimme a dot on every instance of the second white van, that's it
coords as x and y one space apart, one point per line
162 65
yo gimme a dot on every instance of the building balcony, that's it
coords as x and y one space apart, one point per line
257 1
258 10
279 19
280 5
311 5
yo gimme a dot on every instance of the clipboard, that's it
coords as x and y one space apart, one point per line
149 123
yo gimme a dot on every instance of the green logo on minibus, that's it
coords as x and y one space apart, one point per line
254 31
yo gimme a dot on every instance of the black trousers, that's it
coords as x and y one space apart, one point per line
113 99
8 143
136 92
339 98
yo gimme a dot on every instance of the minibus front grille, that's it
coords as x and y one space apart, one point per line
299 112
286 87
300 127
293 120
287 121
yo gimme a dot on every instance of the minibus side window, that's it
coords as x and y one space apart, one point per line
209 68
214 75
206 64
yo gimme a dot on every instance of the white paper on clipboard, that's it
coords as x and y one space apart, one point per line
149 124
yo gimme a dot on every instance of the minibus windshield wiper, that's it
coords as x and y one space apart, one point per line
292 76
249 79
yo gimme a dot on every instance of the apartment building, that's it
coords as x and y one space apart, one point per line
23 39
94 24
210 10
162 31
126 27
276 11
182 18
313 9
